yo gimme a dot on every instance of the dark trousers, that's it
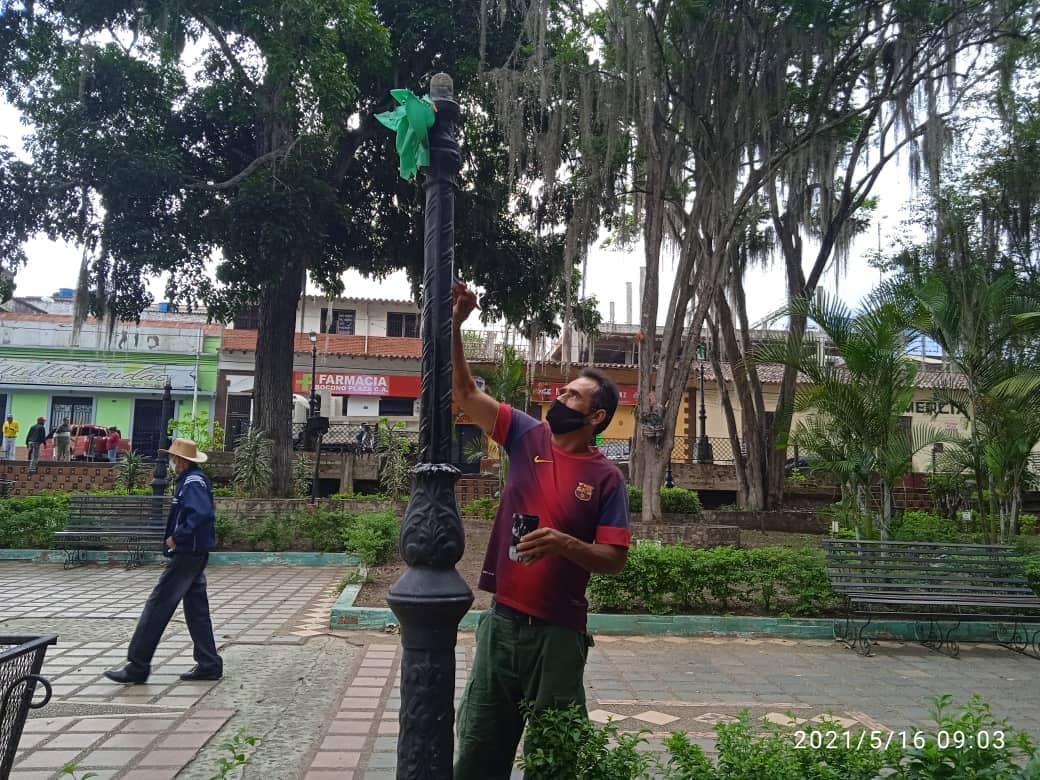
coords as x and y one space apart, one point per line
540 664
183 579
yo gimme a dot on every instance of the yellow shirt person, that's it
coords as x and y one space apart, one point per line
10 428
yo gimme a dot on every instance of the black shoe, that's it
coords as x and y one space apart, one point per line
200 674
126 677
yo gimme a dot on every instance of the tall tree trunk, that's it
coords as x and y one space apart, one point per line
272 378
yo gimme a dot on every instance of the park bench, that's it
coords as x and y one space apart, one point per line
133 523
938 586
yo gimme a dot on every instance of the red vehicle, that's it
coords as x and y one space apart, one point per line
89 442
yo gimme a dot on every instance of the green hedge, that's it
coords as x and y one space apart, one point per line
370 535
663 579
673 501
29 523
566 744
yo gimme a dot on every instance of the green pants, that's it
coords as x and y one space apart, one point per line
514 663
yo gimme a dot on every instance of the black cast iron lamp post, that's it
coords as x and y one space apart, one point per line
314 374
704 448
162 460
431 597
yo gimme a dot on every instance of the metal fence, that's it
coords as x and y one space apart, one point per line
720 450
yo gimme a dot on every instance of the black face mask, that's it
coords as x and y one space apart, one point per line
562 419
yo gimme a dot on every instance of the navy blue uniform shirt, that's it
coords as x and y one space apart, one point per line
192 520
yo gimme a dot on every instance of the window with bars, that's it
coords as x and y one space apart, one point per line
340 321
78 410
402 325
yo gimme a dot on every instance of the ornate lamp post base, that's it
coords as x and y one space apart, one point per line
429 600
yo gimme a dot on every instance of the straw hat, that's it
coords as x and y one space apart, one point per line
186 448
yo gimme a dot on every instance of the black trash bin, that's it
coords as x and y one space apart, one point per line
21 661
6 488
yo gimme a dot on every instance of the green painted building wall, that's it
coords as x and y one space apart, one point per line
26 406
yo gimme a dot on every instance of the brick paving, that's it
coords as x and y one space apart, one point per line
325 704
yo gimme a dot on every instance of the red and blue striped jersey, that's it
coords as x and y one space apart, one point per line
582 494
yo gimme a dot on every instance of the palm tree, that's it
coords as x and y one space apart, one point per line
507 382
856 400
988 329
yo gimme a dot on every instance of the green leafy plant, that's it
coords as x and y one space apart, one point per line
635 499
1027 525
680 501
483 508
371 536
70 770
30 522
206 437
395 471
668 578
917 526
350 495
253 462
303 475
236 749
562 743
673 501
131 470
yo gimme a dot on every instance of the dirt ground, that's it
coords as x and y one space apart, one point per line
380 578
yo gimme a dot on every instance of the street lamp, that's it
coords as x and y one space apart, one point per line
162 459
704 448
431 597
314 374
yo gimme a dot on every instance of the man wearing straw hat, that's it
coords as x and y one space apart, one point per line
190 535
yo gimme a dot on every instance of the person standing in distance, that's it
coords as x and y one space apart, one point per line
532 645
10 442
190 535
34 439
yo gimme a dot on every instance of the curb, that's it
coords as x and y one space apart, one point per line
345 616
215 558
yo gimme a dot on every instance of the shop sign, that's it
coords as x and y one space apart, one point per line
544 392
124 338
395 385
94 374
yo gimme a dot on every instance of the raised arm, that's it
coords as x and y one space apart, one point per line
478 405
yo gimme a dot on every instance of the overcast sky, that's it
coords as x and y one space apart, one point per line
54 265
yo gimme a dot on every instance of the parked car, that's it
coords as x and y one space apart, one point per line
89 442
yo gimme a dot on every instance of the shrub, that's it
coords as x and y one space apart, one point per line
302 476
673 500
919 526
30 522
1031 564
483 508
564 743
253 462
1026 524
350 495
674 578
680 501
323 528
635 499
131 470
371 536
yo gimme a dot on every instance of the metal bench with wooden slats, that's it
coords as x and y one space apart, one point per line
937 585
134 523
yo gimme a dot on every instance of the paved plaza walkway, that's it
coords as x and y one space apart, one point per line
324 704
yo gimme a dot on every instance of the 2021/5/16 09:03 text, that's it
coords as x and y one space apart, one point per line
883 740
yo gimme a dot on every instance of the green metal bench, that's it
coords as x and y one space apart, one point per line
133 523
936 585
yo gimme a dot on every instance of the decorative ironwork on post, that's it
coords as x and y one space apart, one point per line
431 597
704 449
162 460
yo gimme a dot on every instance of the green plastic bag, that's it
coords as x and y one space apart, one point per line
411 120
